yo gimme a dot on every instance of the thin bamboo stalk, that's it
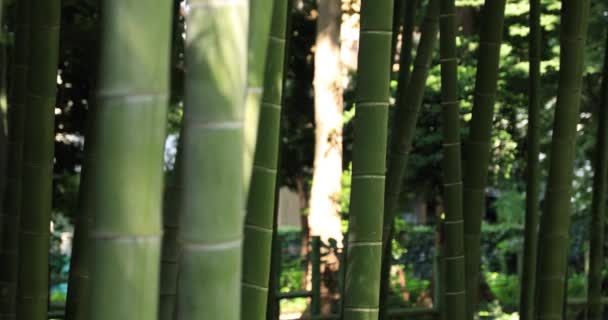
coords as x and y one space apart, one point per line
123 177
555 221
78 281
211 203
260 17
12 201
596 251
455 294
407 44
259 220
170 247
408 105
477 147
528 278
364 245
38 145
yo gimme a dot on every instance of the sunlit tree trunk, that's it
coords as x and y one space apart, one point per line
324 217
555 221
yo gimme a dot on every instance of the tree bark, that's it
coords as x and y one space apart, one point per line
324 218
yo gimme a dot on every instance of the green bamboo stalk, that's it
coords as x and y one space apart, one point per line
211 204
596 251
455 294
37 174
260 15
364 245
528 278
407 43
398 9
555 221
12 201
170 247
78 281
477 147
123 174
404 125
257 249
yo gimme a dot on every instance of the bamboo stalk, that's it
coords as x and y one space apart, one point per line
211 204
170 247
596 251
12 201
408 105
259 221
455 294
364 245
260 17
555 221
78 281
38 145
123 174
477 147
528 279
407 44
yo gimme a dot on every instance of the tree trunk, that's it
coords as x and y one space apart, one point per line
211 219
123 170
259 222
260 17
455 294
596 251
409 100
38 144
528 278
364 253
478 144
324 218
12 201
555 221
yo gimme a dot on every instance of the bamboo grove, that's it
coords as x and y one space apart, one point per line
200 242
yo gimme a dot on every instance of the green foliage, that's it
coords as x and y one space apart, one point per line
505 288
415 287
577 285
510 207
292 276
